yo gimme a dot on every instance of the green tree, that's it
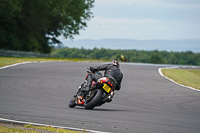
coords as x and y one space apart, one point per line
9 9
34 25
160 57
155 58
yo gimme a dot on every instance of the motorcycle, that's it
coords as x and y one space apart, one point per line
101 92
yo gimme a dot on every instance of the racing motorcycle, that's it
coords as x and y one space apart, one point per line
100 92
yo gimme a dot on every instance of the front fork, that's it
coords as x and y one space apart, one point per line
81 95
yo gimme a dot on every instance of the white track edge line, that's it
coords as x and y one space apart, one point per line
38 124
160 72
7 66
4 67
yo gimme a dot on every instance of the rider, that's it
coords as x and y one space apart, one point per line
111 70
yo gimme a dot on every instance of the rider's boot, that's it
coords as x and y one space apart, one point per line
88 85
85 89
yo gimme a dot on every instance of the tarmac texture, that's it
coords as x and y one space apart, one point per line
146 103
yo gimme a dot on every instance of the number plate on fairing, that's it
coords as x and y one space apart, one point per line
106 88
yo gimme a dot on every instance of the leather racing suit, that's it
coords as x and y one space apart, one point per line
111 71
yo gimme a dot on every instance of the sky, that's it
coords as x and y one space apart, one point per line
143 20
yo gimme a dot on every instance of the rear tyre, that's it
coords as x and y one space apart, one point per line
94 99
72 103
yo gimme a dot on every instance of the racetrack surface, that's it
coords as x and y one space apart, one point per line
146 103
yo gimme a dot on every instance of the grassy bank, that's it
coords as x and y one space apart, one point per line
12 60
10 128
188 77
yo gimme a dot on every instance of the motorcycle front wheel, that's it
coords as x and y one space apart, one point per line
72 102
94 99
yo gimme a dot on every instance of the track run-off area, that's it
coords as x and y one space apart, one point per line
146 103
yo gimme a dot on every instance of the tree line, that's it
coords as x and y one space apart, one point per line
158 57
35 25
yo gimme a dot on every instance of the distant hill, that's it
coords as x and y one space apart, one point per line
149 45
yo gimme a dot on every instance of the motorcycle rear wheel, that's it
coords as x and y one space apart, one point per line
94 99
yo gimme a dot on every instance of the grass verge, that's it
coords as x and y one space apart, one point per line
10 128
187 77
12 60
15 130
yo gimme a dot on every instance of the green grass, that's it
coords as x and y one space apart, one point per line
31 129
15 130
58 130
188 77
12 60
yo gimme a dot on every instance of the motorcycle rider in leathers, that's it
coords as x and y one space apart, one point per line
111 70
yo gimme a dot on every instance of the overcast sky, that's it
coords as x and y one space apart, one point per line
143 20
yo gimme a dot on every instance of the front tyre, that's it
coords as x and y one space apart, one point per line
94 99
72 102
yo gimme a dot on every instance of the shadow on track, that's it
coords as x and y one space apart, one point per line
103 109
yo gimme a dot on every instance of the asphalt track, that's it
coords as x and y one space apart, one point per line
146 103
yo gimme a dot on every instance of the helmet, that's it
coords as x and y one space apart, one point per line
115 62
